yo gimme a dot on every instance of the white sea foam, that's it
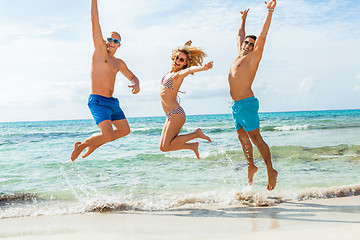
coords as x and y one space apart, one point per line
129 202
292 128
332 192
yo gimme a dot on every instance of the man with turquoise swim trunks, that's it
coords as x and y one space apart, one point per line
245 107
105 108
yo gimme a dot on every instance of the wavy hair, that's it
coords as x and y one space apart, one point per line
194 55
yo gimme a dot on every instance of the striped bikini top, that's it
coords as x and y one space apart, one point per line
168 83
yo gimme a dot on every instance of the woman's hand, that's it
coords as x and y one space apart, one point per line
188 43
208 66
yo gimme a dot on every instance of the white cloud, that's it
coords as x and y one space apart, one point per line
306 84
310 49
356 88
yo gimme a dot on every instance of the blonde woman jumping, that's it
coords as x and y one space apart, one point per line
185 60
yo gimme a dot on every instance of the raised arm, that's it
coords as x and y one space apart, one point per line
260 41
96 29
241 32
188 43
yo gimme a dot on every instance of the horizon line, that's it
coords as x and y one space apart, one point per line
206 114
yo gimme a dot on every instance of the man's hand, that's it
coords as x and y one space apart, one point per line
244 14
135 88
208 66
188 43
271 4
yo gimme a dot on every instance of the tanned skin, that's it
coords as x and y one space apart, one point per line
170 139
104 68
241 77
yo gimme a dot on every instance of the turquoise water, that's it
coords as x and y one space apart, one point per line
317 154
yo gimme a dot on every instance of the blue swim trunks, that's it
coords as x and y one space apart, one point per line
245 114
105 108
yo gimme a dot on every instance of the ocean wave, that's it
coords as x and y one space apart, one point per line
213 129
274 128
287 152
258 199
147 130
267 127
350 152
292 128
301 127
246 196
332 192
224 127
110 207
41 136
9 199
158 130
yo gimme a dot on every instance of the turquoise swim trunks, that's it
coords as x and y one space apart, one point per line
105 108
245 114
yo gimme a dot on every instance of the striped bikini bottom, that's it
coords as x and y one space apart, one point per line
178 110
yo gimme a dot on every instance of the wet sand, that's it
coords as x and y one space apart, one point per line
336 218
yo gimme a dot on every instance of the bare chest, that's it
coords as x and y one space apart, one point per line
239 62
105 64
243 66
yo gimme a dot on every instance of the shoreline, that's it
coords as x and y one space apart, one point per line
331 218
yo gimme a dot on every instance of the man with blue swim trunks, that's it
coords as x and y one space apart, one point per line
105 108
245 107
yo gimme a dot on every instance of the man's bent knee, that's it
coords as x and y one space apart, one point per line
163 148
127 131
108 137
122 128
122 133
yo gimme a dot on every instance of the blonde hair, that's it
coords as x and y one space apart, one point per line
116 34
194 55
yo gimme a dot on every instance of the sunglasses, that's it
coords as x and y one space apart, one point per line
251 44
180 58
113 40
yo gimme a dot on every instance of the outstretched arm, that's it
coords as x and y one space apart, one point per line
241 32
184 73
194 69
260 41
96 29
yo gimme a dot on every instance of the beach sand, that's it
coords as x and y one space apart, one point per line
335 218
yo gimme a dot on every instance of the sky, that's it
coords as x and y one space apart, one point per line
310 62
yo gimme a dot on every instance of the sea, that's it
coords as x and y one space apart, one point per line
317 155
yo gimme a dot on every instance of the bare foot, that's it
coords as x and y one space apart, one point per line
251 171
272 180
195 148
89 150
202 135
77 150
